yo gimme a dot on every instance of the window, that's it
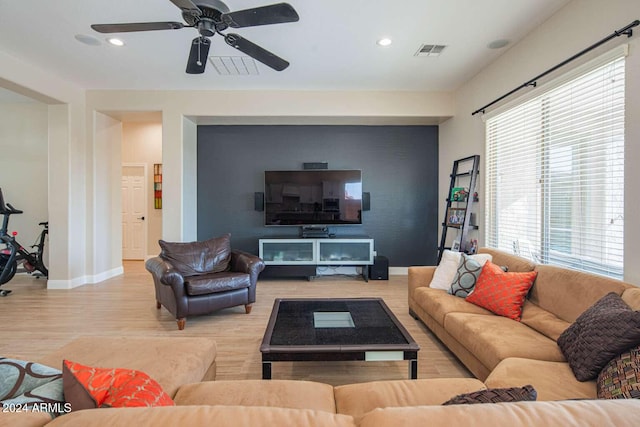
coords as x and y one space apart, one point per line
555 173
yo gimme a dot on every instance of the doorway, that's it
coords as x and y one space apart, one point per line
134 215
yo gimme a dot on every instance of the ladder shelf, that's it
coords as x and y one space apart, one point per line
459 202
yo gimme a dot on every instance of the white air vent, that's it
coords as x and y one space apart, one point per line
234 65
430 50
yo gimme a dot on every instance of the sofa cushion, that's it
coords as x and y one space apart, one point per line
466 276
495 395
24 384
446 270
273 393
358 399
568 293
492 339
500 292
193 258
438 304
620 378
219 282
602 332
88 387
591 413
543 321
204 416
172 361
552 380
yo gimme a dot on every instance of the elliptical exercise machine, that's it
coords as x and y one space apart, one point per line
15 254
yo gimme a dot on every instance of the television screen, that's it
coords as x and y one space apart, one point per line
313 197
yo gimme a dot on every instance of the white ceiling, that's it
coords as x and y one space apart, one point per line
332 47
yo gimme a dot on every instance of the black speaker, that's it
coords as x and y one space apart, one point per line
380 268
258 201
366 201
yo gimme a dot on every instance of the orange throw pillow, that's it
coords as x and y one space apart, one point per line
86 387
502 293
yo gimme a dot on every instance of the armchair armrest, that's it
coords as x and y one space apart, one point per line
246 263
164 272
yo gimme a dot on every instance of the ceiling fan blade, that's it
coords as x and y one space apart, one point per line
265 15
198 55
256 52
187 6
136 26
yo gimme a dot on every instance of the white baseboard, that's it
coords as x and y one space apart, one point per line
101 277
399 271
84 280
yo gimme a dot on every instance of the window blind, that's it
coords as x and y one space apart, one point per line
555 174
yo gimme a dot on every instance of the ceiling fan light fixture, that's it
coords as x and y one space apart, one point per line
115 41
88 40
384 42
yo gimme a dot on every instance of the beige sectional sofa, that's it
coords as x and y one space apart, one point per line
503 352
253 403
499 351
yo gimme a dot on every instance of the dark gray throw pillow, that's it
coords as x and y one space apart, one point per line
495 395
605 330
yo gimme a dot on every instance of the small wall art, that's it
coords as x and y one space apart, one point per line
157 185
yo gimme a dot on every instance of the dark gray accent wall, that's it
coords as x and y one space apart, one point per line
399 168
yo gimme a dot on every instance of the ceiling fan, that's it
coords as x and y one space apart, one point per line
213 16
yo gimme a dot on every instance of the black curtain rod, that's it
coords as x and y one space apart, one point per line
627 31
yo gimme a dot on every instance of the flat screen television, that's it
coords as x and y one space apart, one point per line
313 197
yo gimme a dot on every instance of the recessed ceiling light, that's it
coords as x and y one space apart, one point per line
116 42
498 44
384 42
88 40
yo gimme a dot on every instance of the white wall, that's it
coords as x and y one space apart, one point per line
24 166
106 222
67 170
179 132
190 183
578 25
142 143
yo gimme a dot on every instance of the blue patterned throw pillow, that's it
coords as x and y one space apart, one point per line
25 384
465 279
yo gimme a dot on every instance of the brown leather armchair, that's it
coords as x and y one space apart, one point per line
201 277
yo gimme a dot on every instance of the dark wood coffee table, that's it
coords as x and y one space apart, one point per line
331 329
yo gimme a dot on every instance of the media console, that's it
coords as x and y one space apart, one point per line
301 257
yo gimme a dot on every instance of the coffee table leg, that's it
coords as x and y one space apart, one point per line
266 370
413 369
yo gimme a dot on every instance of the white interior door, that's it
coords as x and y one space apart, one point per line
134 202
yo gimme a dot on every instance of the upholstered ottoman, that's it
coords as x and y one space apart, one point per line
171 361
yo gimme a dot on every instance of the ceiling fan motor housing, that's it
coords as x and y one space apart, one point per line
210 20
206 27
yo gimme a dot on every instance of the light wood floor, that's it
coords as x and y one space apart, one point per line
35 321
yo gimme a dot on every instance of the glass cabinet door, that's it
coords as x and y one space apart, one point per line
345 251
287 252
